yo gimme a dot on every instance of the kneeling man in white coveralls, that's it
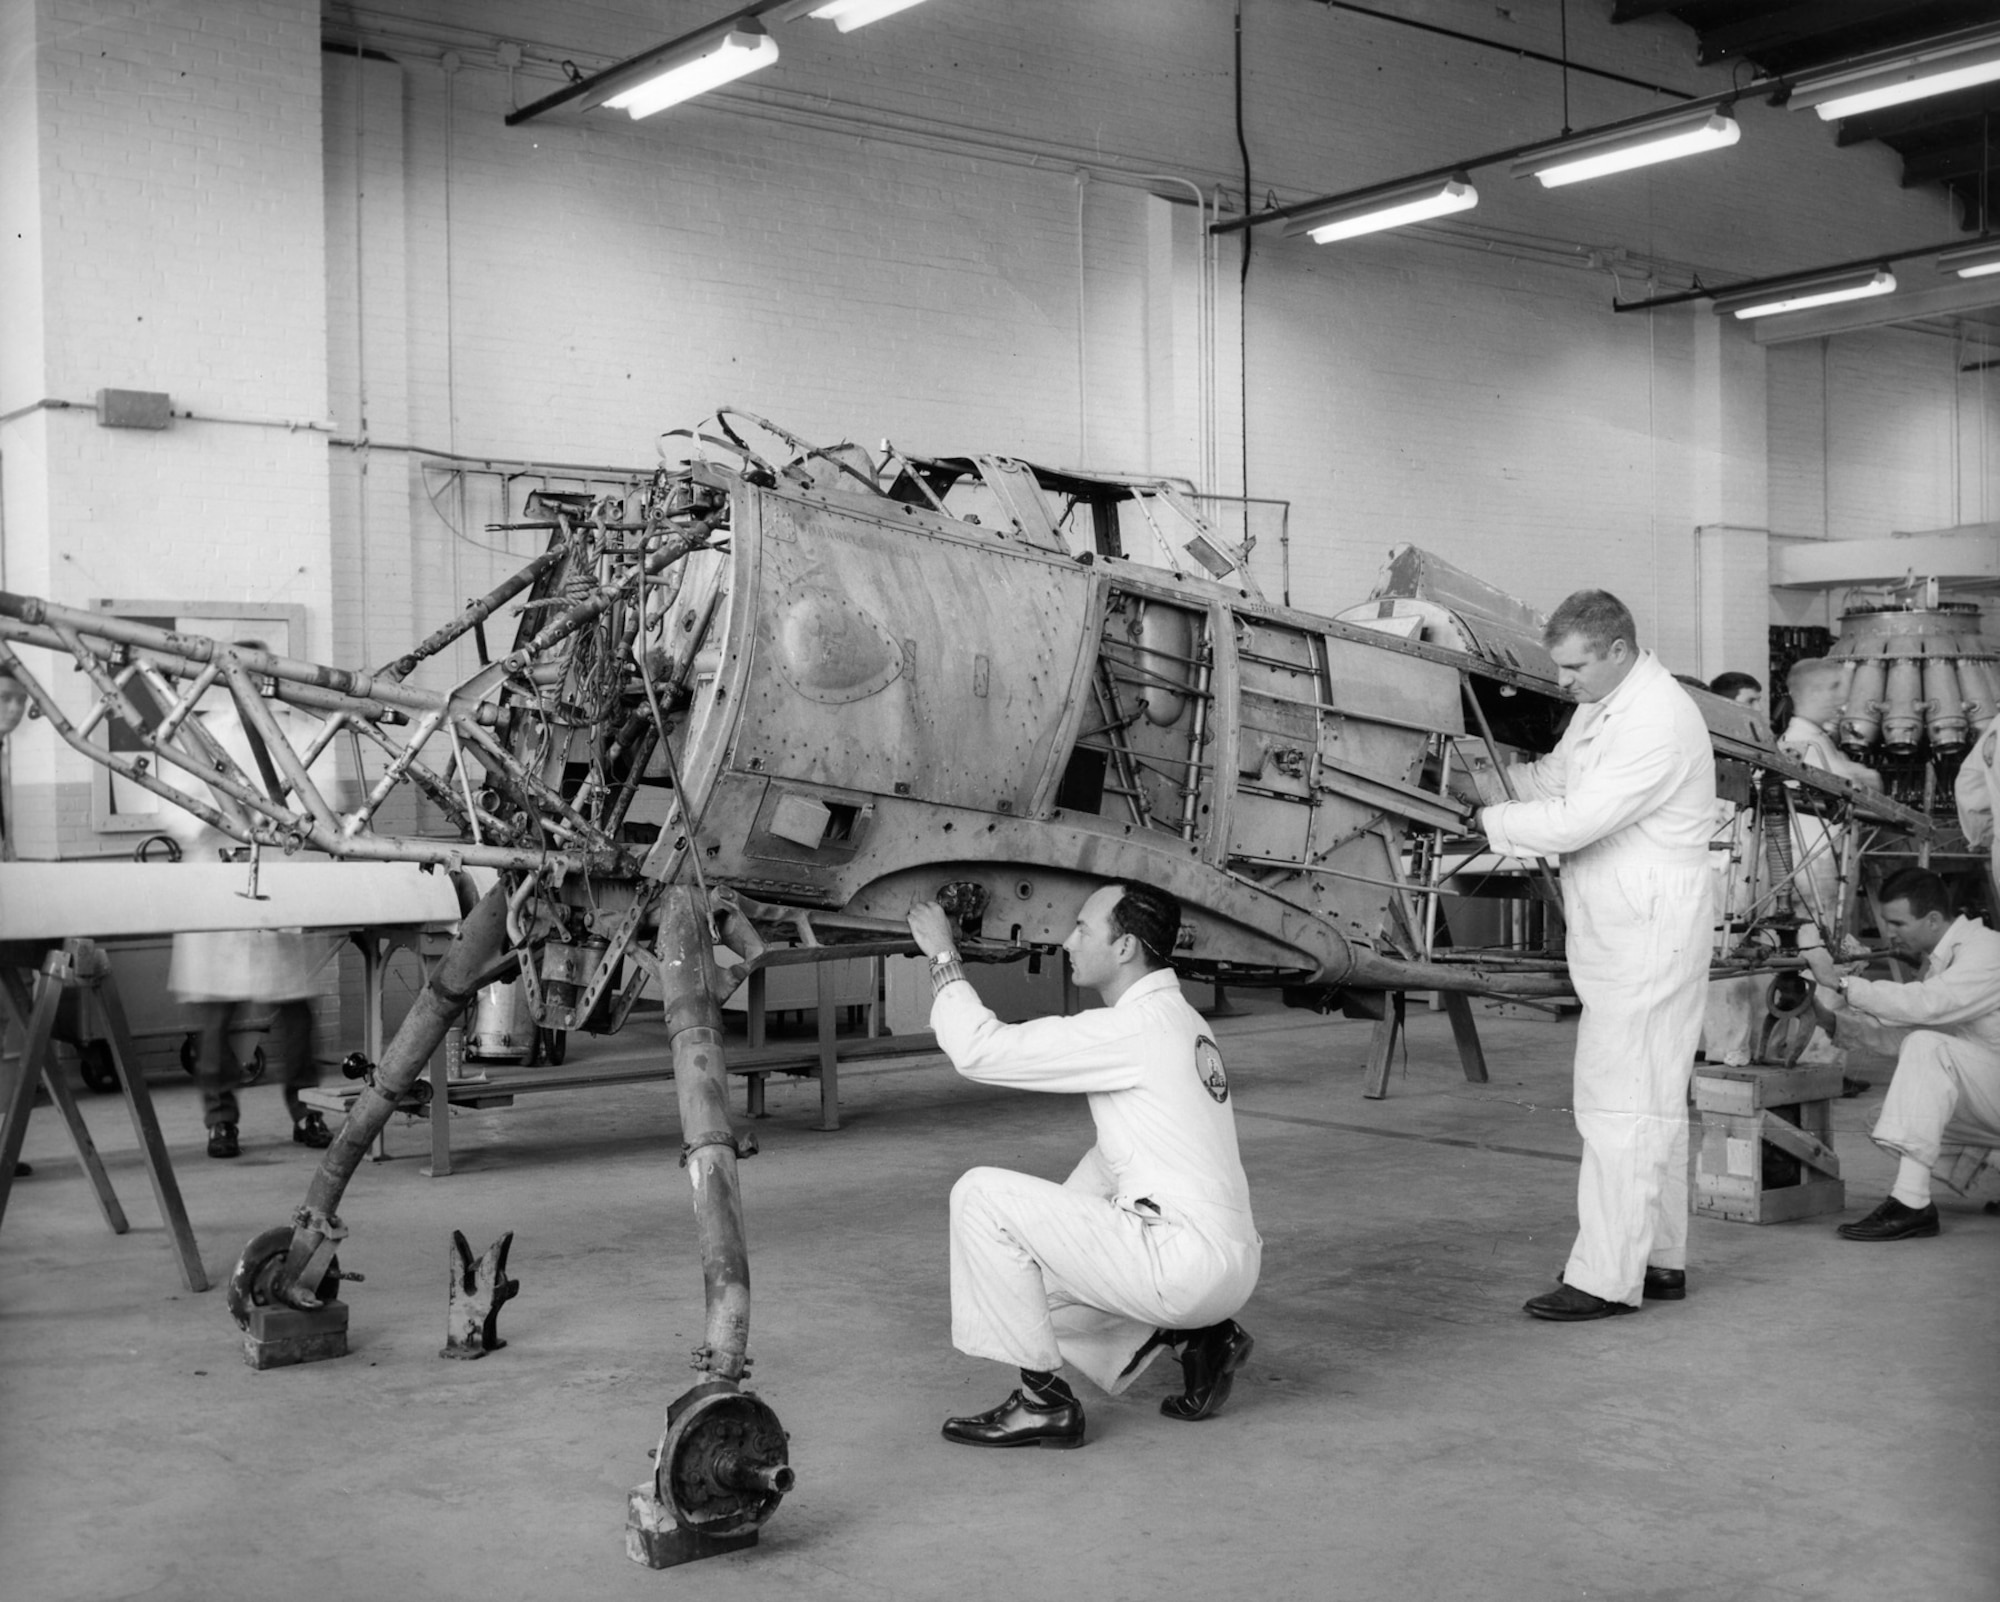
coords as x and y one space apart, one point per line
1149 1243
1627 801
1945 1028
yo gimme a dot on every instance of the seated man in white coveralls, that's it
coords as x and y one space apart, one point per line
1945 1028
1149 1244
1627 801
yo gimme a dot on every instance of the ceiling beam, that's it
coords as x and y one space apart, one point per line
1965 159
1899 122
1806 23
1635 10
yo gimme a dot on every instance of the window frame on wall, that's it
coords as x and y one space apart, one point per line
280 625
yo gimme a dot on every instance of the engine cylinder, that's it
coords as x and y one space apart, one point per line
1944 706
1861 718
1924 679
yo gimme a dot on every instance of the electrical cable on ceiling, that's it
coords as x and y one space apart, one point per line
360 371
1082 352
1563 12
1243 274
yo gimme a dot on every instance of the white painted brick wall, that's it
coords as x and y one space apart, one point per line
607 279
177 186
1875 432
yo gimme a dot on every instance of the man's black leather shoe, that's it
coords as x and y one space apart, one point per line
1209 1362
1568 1305
311 1130
222 1141
1020 1421
1893 1221
1660 1285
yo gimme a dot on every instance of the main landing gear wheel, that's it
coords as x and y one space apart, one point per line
251 1281
723 1465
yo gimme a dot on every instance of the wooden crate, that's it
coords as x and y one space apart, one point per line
1764 1151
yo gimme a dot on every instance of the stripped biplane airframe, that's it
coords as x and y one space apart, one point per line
865 683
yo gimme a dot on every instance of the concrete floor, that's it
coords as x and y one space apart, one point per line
1818 1420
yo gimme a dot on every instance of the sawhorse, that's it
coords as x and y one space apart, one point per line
82 965
1389 1031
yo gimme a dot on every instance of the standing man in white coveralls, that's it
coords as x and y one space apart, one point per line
1149 1244
1945 1030
225 976
1627 801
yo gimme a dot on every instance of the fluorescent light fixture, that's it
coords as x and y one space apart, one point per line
1973 261
1936 69
847 15
1826 289
1664 139
705 64
1389 208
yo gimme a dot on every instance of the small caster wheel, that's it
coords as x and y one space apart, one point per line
99 1072
554 1044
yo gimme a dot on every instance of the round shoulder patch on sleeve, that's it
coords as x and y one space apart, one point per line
1208 1064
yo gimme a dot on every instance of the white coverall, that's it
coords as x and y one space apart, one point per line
222 974
1153 1229
1816 842
1974 790
1945 1031
1627 800
258 965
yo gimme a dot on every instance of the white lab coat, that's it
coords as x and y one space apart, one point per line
1151 1231
1627 801
263 965
1945 1030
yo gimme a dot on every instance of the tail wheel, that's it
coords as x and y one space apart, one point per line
253 1280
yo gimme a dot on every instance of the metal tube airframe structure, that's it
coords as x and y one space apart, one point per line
859 684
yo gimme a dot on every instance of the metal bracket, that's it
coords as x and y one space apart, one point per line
477 1292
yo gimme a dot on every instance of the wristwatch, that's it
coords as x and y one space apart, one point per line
944 957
